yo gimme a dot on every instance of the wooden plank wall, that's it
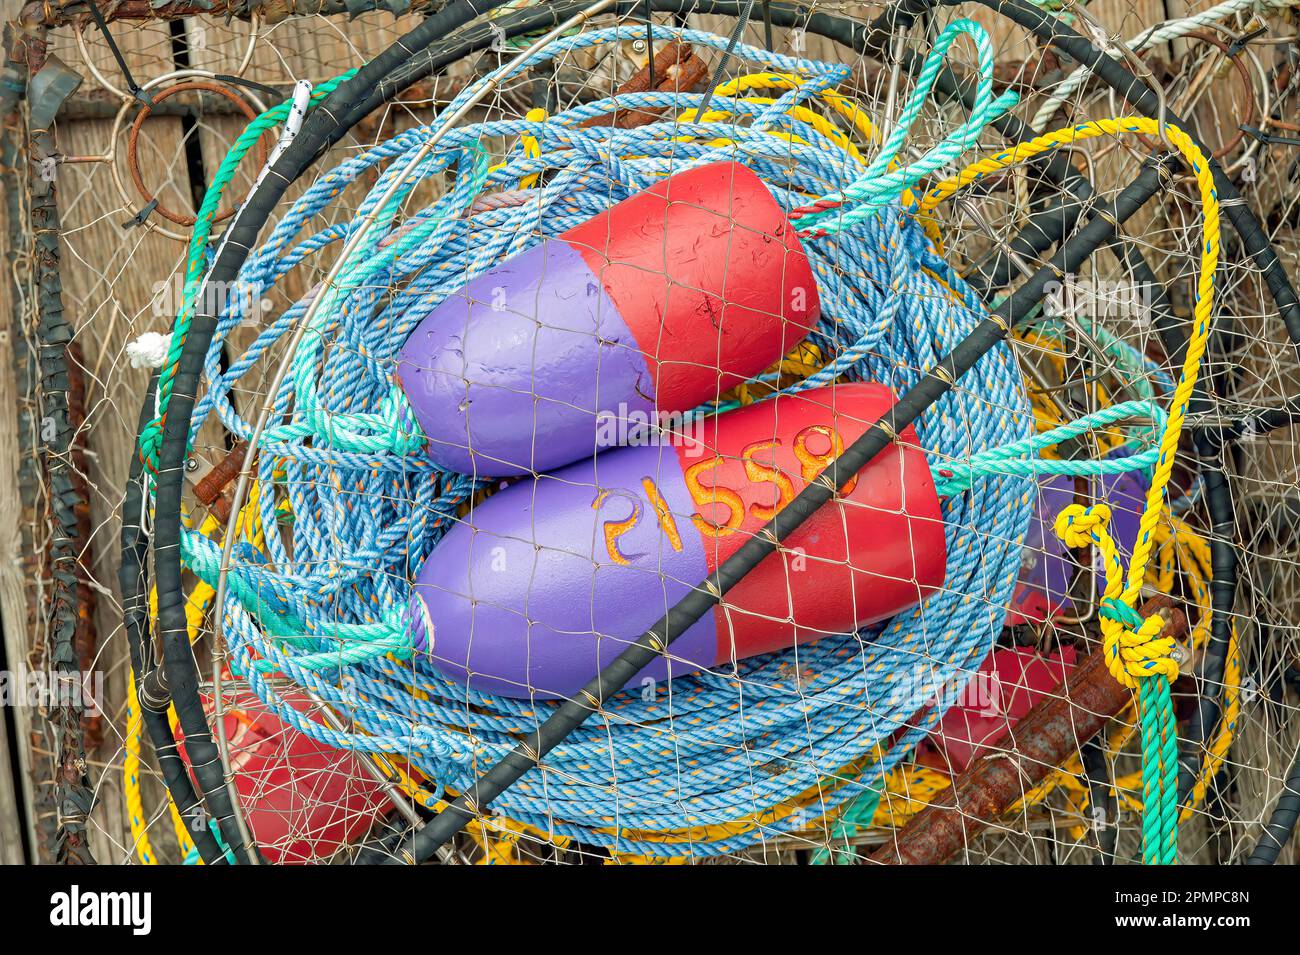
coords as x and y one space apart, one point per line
112 277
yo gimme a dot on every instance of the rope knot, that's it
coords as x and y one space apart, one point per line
1076 524
1134 645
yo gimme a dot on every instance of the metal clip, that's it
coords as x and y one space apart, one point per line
1268 139
139 218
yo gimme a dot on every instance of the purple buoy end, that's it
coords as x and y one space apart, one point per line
511 374
524 599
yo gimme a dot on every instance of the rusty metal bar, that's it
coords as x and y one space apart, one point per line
1049 734
675 69
73 793
86 639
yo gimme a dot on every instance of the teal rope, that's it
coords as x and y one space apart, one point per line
1159 773
878 187
151 436
1159 730
1020 458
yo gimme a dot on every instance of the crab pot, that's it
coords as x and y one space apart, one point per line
661 302
547 581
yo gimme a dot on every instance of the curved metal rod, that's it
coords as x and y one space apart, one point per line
128 200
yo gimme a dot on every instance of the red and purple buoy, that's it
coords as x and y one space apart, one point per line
545 583
662 302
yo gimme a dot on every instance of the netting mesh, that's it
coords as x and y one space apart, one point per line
542 344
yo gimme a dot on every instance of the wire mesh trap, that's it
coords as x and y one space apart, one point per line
655 432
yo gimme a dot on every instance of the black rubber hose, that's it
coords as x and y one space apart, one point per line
1102 803
135 616
432 57
1045 228
645 649
1282 821
319 131
1224 561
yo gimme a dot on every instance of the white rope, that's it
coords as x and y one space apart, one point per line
149 350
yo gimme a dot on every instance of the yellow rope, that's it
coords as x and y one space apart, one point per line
532 148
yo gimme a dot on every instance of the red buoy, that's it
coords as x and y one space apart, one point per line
303 800
1009 683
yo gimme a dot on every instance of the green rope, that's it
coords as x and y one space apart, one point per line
1159 754
852 820
1159 773
151 436
880 185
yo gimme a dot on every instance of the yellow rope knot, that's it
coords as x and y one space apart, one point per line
1132 654
1076 524
1133 646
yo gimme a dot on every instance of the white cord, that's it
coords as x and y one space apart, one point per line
149 350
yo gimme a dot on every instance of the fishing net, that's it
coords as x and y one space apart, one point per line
478 501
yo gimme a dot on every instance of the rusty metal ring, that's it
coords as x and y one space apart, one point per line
132 143
1252 106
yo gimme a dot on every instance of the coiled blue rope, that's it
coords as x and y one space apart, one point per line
707 749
